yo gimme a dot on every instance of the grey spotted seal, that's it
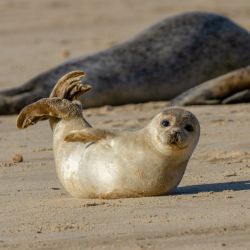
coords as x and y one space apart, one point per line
97 163
160 63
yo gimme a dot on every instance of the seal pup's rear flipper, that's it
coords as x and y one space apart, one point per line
70 86
61 103
88 135
48 108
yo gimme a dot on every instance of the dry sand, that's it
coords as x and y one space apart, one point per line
210 209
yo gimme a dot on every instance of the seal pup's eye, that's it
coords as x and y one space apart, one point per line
165 123
189 128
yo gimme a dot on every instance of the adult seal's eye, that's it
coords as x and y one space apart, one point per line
165 123
189 128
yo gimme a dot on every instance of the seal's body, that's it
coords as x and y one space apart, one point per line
162 62
122 165
97 163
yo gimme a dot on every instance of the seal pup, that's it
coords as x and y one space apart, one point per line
98 163
162 62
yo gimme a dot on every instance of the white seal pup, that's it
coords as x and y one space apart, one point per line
98 163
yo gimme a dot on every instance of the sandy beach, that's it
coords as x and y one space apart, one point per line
211 207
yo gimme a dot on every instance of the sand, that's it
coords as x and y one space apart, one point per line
211 207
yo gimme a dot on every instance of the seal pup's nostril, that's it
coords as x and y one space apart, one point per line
175 136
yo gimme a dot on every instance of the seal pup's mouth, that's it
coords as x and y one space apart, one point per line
178 145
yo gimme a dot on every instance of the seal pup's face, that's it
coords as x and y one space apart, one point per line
175 129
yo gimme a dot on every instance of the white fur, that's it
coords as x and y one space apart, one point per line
125 165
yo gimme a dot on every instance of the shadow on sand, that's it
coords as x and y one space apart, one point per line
213 187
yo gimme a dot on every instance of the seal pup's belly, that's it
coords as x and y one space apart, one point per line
111 174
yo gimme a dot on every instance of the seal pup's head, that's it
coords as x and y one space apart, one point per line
176 130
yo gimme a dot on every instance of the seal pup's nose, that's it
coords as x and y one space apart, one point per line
175 136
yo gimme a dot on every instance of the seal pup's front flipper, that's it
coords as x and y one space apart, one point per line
88 135
48 108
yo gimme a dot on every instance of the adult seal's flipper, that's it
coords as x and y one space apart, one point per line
242 96
229 88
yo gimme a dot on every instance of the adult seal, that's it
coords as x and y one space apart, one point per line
98 163
162 62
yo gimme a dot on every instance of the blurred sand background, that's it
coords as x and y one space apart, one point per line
210 209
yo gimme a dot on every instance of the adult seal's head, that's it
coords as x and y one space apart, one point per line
94 162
